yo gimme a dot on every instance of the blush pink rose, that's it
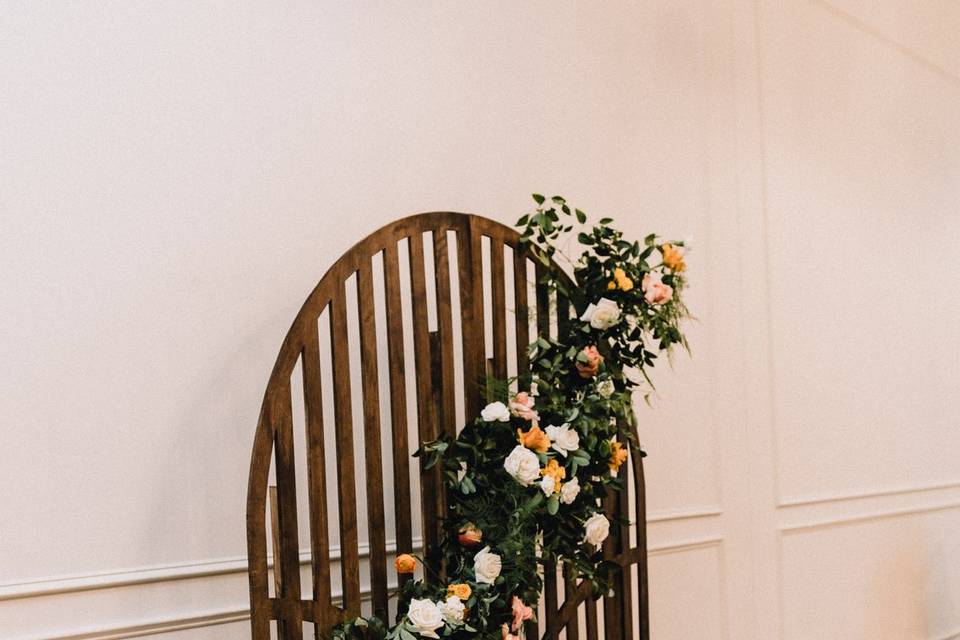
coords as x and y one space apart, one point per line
522 406
654 291
589 368
521 613
505 633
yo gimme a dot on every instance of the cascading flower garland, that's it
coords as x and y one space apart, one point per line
525 479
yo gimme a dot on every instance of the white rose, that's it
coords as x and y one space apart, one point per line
548 485
523 465
563 439
596 529
453 610
495 412
602 315
534 391
425 617
569 491
606 388
462 472
486 566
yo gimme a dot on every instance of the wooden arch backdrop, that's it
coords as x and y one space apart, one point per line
442 254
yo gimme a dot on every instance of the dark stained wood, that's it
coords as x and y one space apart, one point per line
499 309
570 595
444 350
373 466
346 481
593 624
471 317
543 301
431 483
550 598
275 539
521 312
398 403
316 480
287 556
435 364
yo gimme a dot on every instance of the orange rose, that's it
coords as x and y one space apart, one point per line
673 257
461 590
469 536
555 471
589 368
534 439
405 563
618 455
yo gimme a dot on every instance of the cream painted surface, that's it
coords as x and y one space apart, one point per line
176 177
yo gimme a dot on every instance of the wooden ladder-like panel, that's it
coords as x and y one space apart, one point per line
416 283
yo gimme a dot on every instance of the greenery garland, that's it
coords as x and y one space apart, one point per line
525 479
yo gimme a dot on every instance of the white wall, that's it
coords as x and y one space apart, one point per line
175 177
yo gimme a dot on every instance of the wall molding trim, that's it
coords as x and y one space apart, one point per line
788 503
154 627
56 585
869 517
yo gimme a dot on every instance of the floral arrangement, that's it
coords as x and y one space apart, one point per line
526 478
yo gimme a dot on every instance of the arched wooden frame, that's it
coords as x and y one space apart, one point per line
565 601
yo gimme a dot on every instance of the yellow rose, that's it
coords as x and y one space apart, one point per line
555 471
618 455
673 257
623 281
611 285
461 590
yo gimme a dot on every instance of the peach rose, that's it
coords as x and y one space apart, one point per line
589 368
405 563
673 257
505 633
461 590
521 613
535 439
469 536
522 406
654 291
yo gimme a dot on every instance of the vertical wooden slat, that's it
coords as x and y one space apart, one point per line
624 584
563 312
520 309
430 480
291 628
275 539
613 605
593 623
550 597
640 504
499 308
376 526
398 403
543 302
346 482
473 332
316 480
447 404
569 594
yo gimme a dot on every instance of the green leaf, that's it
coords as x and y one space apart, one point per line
538 198
522 221
581 216
553 505
605 221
